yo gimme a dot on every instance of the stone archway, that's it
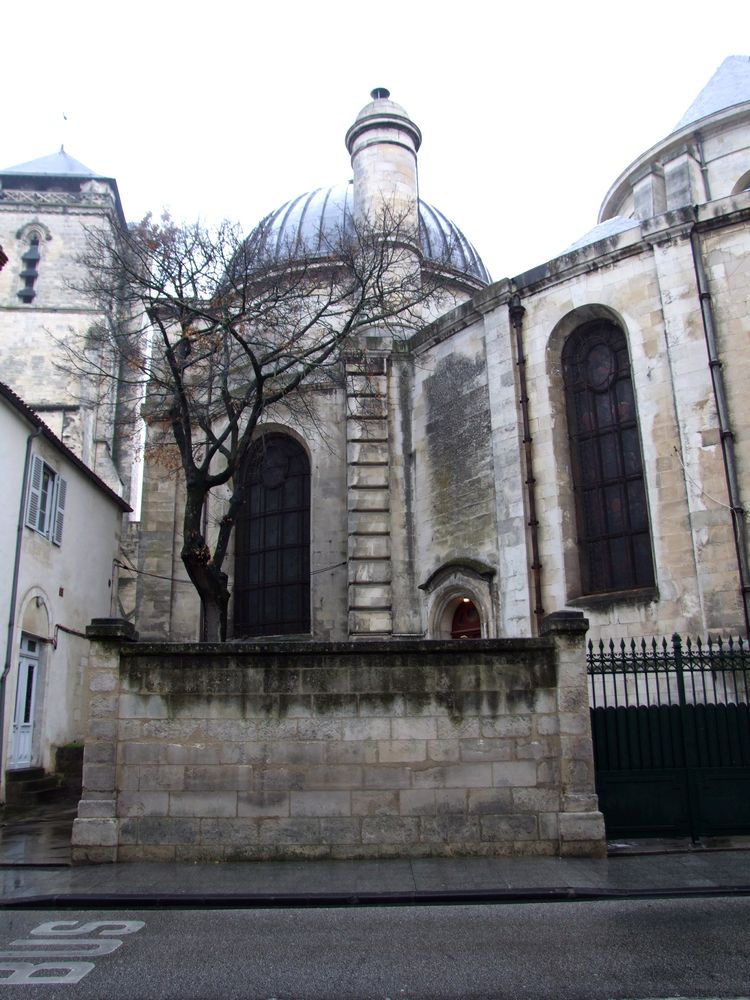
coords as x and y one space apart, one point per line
458 584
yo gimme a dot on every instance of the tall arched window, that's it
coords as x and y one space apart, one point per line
272 560
614 540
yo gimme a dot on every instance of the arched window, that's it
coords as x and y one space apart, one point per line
614 541
272 560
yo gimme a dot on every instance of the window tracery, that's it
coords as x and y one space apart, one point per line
614 537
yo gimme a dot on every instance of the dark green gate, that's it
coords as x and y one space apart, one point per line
671 732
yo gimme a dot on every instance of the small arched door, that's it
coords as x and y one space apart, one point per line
272 546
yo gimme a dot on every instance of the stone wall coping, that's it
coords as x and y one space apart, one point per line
571 622
111 630
450 647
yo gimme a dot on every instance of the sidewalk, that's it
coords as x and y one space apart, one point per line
35 874
332 883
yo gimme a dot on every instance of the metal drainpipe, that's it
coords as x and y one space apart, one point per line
704 169
725 430
14 585
517 311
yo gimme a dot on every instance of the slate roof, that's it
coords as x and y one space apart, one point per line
729 85
63 170
60 164
611 227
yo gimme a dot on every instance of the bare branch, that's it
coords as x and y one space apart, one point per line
222 328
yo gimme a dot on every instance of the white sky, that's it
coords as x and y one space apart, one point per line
529 111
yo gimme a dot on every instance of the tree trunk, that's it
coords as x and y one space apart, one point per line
207 578
213 590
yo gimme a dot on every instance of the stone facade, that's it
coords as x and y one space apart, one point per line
322 750
441 469
56 212
437 473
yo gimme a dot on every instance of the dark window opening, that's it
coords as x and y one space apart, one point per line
272 561
29 694
614 539
466 622
30 271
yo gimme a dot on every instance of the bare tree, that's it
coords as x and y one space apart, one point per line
222 329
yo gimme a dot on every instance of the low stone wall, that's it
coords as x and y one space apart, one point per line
319 750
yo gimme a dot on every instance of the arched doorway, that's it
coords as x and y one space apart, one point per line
272 551
466 622
25 710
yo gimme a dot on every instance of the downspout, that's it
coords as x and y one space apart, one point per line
14 587
725 430
704 168
517 311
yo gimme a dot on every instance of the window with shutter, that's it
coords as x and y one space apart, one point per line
45 505
35 489
57 530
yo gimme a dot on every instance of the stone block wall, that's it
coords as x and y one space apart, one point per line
351 750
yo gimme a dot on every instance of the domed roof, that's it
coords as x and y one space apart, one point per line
309 224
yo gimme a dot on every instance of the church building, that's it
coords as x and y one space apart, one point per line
573 437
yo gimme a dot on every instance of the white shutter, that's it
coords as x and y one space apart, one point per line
35 492
57 526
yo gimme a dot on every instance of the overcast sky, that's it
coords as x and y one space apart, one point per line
222 109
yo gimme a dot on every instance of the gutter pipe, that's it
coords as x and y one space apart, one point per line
725 428
517 311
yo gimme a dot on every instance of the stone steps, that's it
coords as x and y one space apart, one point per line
30 786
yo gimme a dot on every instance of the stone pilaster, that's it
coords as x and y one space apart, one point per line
95 831
368 498
581 824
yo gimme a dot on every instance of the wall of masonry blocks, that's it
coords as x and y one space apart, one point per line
338 750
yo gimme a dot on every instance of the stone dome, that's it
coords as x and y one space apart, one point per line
308 225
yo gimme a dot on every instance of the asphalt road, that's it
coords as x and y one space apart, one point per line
561 951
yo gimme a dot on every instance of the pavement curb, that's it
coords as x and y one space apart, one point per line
144 901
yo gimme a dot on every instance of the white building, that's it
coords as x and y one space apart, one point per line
59 539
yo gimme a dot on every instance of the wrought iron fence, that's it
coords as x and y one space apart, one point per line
670 724
646 673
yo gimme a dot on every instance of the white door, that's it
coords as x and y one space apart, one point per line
23 718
